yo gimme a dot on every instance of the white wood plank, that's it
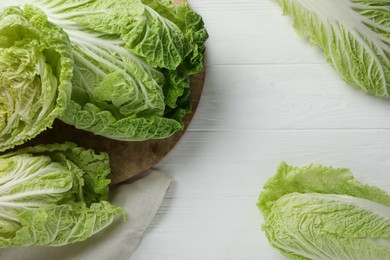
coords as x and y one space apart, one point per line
285 97
252 32
366 152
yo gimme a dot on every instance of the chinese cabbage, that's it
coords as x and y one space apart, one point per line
36 68
132 60
354 35
52 195
318 212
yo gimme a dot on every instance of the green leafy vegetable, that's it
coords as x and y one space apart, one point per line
318 212
132 59
354 34
36 68
53 195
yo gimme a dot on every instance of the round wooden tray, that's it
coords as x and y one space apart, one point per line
127 159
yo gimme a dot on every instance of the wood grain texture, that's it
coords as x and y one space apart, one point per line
127 159
252 32
285 96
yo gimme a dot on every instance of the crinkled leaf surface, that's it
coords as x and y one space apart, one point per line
53 195
36 69
318 212
354 35
133 60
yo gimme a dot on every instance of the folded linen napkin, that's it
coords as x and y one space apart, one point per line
141 200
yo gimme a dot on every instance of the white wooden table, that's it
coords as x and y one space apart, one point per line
269 96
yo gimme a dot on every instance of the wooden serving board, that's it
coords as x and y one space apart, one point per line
127 159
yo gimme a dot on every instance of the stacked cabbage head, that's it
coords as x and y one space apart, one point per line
115 68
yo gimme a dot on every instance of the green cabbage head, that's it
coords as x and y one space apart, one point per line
318 212
132 63
52 195
36 68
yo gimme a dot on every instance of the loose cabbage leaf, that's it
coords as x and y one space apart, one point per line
133 60
53 195
354 35
318 212
36 68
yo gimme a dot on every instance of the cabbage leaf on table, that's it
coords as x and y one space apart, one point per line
318 212
52 195
132 62
354 35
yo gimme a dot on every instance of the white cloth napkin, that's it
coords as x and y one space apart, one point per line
141 200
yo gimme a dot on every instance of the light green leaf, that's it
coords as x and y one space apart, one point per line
318 212
36 68
133 60
354 35
53 195
64 224
95 168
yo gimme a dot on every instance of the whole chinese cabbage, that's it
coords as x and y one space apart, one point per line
53 195
354 34
132 60
318 212
36 68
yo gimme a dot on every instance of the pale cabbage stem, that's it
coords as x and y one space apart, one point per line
59 6
32 194
19 170
89 65
14 180
377 208
28 164
9 217
22 205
